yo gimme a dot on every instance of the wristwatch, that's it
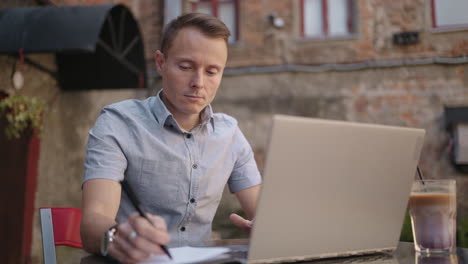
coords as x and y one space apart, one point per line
109 236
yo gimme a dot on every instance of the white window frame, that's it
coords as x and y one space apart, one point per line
441 25
215 12
350 19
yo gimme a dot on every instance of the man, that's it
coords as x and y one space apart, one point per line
175 153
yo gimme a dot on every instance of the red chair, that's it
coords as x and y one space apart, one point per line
60 226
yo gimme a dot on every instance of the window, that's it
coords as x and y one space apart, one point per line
327 18
226 10
449 13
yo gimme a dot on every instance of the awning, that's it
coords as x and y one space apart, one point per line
95 46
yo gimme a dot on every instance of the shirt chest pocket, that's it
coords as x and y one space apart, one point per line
160 181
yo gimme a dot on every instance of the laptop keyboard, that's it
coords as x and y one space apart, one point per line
238 254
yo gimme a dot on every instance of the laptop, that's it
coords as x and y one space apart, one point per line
332 189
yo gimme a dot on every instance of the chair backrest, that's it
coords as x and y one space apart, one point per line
60 227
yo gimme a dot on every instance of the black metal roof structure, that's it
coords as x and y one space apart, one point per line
96 46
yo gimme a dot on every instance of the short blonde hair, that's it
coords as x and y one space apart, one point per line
208 25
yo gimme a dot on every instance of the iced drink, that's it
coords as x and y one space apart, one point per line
436 259
433 211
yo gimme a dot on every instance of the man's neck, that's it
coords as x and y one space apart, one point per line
187 123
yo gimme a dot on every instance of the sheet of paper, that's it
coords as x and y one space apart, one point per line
188 255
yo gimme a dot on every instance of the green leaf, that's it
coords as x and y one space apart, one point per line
21 113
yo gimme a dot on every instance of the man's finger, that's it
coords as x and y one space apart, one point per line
131 254
157 234
158 222
239 221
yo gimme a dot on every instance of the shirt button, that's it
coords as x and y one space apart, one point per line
194 166
192 200
182 229
188 135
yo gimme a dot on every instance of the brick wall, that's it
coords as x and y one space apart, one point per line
262 44
400 96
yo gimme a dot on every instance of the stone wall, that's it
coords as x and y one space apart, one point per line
63 146
400 96
403 96
67 118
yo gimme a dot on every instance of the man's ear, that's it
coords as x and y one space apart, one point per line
159 59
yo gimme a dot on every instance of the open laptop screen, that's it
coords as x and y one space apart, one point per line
333 188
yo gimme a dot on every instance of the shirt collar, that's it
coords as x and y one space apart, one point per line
160 110
164 116
206 115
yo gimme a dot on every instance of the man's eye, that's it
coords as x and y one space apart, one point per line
211 72
182 67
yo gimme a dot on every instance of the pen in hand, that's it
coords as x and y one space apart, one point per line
134 200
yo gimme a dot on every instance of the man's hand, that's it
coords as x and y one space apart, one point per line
241 222
137 239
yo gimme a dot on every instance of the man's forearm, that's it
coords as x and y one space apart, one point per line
248 200
101 199
93 226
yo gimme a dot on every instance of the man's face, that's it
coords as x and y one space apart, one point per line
191 71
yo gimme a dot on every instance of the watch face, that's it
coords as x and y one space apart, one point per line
109 236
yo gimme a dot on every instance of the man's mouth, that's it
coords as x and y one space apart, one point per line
194 96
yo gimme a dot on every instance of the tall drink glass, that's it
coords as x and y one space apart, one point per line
433 210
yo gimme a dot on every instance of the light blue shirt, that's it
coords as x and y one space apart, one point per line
176 174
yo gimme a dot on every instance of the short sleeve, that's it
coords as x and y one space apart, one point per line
105 157
245 173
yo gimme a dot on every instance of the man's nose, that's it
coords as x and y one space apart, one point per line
197 79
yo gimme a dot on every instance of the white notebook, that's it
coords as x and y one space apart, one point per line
189 255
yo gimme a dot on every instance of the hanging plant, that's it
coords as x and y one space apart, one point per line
21 113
